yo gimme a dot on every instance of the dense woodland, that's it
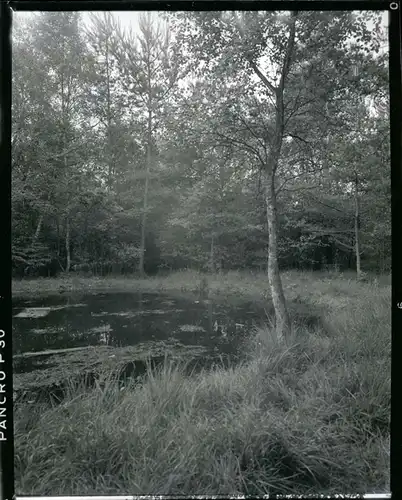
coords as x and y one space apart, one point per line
194 140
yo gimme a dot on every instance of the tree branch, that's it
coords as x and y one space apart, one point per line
289 50
251 131
294 136
261 76
326 205
244 144
345 245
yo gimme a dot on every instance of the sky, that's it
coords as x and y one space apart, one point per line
127 19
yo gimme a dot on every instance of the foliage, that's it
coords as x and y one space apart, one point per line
80 142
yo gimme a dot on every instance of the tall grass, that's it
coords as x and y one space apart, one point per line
243 283
309 416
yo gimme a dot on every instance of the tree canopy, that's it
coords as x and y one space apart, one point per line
159 148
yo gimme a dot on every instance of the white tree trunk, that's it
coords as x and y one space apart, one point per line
38 229
282 319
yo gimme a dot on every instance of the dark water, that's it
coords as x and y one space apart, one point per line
122 319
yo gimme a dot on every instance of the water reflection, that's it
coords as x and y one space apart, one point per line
122 319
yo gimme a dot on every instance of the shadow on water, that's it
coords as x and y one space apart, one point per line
127 319
119 320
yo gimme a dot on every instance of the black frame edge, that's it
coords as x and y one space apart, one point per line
395 81
6 389
395 58
125 5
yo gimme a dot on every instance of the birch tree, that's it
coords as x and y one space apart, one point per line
281 76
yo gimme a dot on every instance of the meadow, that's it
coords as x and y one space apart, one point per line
308 416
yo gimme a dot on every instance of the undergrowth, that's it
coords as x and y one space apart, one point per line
307 416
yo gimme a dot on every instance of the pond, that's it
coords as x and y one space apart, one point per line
60 323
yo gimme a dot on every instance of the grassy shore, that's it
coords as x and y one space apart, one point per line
246 284
311 416
186 281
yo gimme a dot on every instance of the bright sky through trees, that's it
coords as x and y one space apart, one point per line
129 19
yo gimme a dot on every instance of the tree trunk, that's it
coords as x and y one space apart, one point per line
109 119
211 257
357 232
68 255
38 228
145 204
282 319
210 317
64 108
58 236
382 257
149 160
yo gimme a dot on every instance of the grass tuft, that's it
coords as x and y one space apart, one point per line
307 416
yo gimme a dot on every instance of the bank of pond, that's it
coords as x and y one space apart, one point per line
180 393
60 337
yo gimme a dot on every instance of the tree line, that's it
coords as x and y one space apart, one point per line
210 140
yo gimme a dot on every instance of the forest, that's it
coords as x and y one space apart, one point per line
201 252
139 153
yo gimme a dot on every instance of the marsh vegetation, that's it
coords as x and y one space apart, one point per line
309 416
